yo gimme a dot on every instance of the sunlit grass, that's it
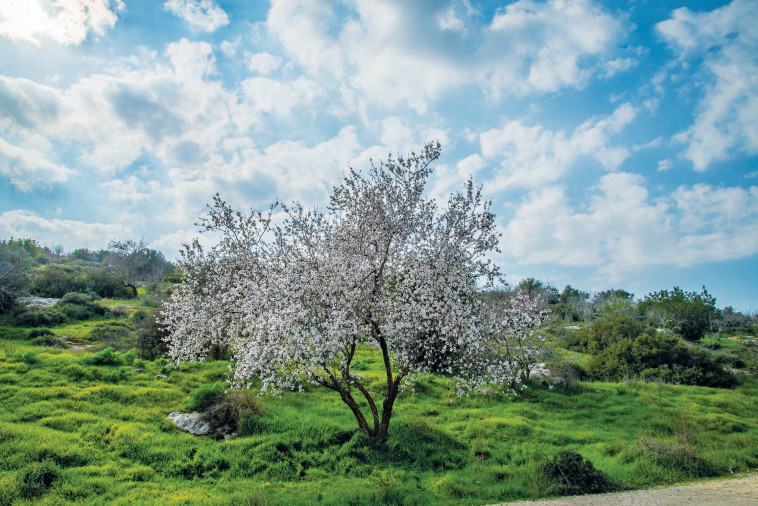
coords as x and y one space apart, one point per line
105 429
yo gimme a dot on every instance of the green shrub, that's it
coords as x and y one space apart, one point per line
41 332
233 411
205 396
50 341
568 473
150 337
689 314
57 281
38 478
38 317
625 348
80 306
105 357
116 334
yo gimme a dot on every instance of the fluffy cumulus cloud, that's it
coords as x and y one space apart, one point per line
64 21
76 234
526 47
205 15
530 156
723 45
620 228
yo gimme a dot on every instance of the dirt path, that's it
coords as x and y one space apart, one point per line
739 491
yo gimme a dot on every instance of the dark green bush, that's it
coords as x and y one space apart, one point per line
57 281
38 317
105 357
41 332
205 396
50 341
80 306
568 473
232 411
625 348
689 314
38 478
116 334
150 337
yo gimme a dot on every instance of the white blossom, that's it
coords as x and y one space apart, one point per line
383 266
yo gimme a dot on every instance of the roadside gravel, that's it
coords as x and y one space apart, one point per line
739 491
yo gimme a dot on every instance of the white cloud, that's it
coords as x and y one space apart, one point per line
27 167
530 156
620 229
77 234
394 51
726 42
203 14
65 21
262 63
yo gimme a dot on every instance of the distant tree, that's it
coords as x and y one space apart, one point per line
535 288
133 262
606 295
573 304
689 314
13 281
385 267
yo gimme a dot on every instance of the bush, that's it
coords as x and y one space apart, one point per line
105 357
79 306
231 413
42 332
205 396
624 348
568 473
151 337
38 317
56 281
689 314
50 341
37 479
116 334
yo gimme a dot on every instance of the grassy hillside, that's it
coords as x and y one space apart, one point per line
72 430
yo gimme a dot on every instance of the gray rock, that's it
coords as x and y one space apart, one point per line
161 376
190 422
540 371
558 382
37 301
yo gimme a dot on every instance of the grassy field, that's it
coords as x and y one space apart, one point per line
74 431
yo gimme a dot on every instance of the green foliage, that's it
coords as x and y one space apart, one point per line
38 317
150 336
107 356
625 348
114 333
689 314
57 281
205 396
38 478
80 306
568 473
41 332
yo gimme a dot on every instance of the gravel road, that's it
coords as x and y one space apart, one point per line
739 491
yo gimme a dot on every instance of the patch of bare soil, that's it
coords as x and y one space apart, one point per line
739 491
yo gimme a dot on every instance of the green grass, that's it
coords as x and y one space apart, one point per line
102 432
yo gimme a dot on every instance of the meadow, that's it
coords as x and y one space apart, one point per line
89 425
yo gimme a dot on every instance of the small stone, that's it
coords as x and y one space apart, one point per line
139 370
190 422
161 376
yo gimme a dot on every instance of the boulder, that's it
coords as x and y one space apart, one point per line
190 422
540 371
558 382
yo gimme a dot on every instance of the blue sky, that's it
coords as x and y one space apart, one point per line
617 140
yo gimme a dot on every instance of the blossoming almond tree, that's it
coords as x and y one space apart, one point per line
384 266
516 325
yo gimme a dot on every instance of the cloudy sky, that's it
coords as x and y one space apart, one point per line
618 140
